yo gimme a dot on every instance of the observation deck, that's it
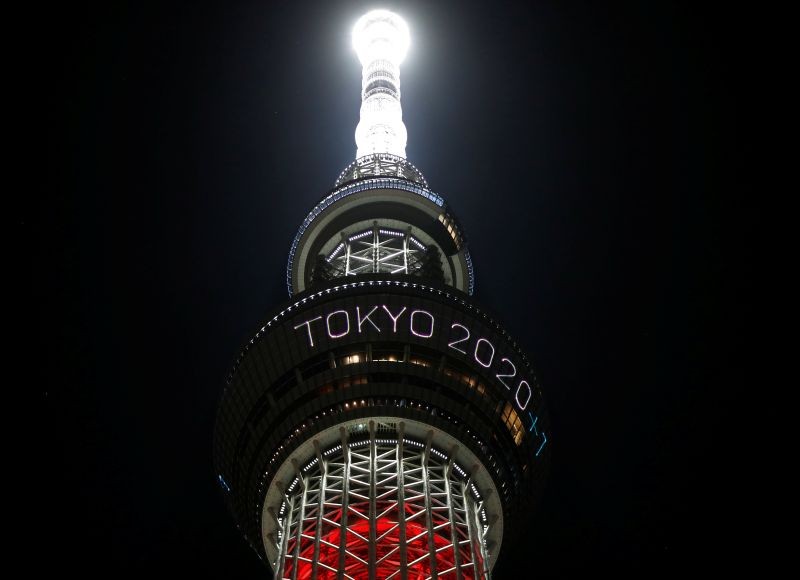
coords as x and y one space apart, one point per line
388 197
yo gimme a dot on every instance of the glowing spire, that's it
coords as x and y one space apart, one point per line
381 40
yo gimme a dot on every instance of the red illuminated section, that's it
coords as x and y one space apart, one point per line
387 546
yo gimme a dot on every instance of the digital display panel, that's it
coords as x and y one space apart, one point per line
458 330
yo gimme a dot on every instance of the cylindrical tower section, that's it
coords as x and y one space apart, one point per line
381 425
381 40
381 499
380 220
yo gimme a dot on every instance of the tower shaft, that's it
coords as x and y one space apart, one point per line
382 505
381 40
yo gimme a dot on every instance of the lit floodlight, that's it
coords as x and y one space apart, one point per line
381 35
381 41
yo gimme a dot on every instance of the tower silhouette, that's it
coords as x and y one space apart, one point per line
380 424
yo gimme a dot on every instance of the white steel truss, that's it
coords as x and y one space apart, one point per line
381 164
381 507
377 250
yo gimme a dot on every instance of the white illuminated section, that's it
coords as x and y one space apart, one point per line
381 40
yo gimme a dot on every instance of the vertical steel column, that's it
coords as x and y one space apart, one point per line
401 502
376 242
451 513
345 501
347 258
483 531
481 540
373 516
472 531
323 475
405 254
428 515
300 518
287 524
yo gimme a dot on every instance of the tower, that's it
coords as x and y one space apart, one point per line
380 424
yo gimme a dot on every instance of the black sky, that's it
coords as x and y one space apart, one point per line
590 154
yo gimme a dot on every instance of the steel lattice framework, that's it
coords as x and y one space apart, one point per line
409 511
381 164
377 250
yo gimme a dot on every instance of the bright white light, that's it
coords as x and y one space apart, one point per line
381 35
381 39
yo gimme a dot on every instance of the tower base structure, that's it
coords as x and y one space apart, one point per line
382 499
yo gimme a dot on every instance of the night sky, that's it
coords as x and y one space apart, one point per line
589 152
